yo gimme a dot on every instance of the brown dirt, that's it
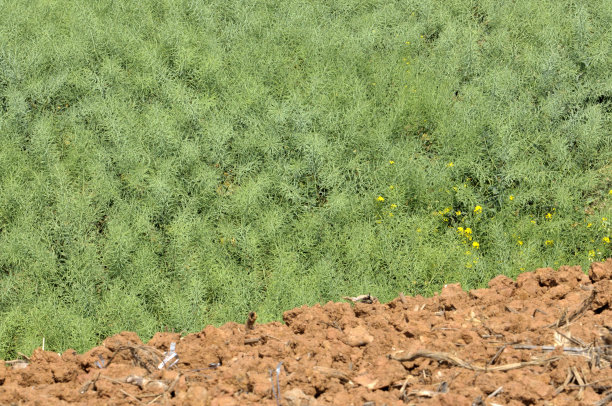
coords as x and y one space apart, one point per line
545 339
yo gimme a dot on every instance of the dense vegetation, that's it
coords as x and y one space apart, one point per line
171 164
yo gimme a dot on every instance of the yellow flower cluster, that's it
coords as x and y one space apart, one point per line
393 206
467 233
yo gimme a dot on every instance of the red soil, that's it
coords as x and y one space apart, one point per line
545 339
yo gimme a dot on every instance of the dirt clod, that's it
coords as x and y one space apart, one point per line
543 339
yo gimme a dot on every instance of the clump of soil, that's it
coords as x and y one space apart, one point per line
544 339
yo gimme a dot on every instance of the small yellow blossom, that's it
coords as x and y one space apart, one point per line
418 230
589 225
381 199
460 229
533 221
391 187
458 213
475 245
511 197
450 164
606 240
468 230
549 242
548 216
610 192
591 253
478 209
446 210
391 162
604 219
520 242
394 206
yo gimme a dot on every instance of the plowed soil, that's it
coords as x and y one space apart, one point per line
544 339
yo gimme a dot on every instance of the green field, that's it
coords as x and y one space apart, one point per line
173 164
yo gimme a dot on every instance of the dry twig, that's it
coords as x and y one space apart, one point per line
453 360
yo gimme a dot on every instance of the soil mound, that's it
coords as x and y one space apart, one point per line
544 339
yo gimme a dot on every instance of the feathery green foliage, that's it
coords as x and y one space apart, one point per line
170 164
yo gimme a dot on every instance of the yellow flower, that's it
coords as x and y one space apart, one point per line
391 187
548 216
591 253
468 230
478 209
520 242
589 225
604 219
606 240
610 192
393 206
458 213
511 197
533 221
418 230
391 162
381 199
446 210
549 242
460 229
450 164
475 245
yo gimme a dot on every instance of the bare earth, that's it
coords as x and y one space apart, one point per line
545 339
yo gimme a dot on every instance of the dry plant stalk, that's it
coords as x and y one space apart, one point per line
453 360
250 323
565 320
368 299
